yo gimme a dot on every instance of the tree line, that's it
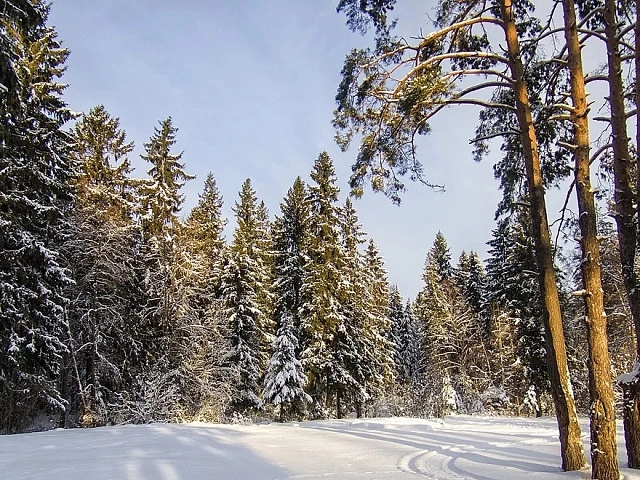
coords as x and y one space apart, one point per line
115 309
525 70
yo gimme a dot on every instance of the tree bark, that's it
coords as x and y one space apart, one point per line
631 411
572 451
624 215
602 413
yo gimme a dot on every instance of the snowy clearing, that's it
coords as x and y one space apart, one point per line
459 447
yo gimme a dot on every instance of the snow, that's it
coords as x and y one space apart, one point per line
632 376
458 447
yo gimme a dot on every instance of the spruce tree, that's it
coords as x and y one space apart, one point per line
451 340
204 229
100 250
513 292
161 198
16 14
205 246
386 110
290 244
285 379
35 169
351 350
378 325
241 312
163 311
322 313
243 279
470 277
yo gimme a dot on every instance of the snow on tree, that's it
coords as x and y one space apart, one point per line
451 342
470 277
355 375
203 231
161 200
164 310
405 338
513 293
99 250
35 169
290 242
378 325
322 312
241 311
285 379
243 279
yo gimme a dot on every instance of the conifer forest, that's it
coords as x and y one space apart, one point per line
118 306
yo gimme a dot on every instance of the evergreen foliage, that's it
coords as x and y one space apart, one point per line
161 198
35 169
285 379
103 348
513 290
322 312
243 278
290 257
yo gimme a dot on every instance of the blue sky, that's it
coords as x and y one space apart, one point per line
251 86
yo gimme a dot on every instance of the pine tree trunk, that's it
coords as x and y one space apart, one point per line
632 397
637 102
631 411
603 425
570 444
624 214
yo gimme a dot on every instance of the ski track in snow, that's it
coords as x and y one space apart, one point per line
460 447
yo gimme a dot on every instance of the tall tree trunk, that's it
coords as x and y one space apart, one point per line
603 423
624 215
572 451
637 102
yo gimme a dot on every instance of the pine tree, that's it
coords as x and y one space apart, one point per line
34 195
386 111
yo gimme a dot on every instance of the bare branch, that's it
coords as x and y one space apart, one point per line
456 26
496 73
594 78
599 152
502 133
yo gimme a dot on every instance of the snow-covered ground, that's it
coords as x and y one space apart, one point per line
460 447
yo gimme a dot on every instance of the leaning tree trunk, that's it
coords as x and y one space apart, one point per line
624 214
603 423
572 451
